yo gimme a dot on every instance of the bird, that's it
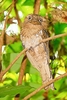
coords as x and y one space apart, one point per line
34 29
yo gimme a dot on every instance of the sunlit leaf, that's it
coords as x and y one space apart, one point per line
5 4
15 47
42 10
8 58
62 95
27 10
21 1
60 84
59 27
5 98
29 3
13 90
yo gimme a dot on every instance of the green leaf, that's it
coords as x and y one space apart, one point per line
15 47
59 28
22 90
65 43
55 63
60 84
64 58
62 95
8 58
12 76
1 18
51 95
6 98
13 90
56 44
26 7
38 96
5 4
50 1
5 60
28 3
20 1
12 13
27 10
42 10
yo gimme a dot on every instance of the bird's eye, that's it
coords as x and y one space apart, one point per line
40 20
29 17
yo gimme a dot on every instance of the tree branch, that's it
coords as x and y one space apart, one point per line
2 37
5 9
53 37
4 71
21 74
16 12
45 4
36 6
3 32
43 86
22 69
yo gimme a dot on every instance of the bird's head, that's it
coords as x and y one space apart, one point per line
36 20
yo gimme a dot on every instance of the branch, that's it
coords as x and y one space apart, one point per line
11 39
21 74
53 37
3 32
2 37
4 71
22 69
36 6
16 12
45 4
2 40
43 86
5 9
44 40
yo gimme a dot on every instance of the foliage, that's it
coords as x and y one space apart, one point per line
32 79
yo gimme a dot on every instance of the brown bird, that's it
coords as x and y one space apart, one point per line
33 31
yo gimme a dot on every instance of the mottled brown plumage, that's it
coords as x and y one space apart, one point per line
33 31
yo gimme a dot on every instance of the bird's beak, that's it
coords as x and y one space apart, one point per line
35 22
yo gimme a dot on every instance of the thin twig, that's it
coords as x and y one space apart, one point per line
22 69
11 6
45 4
4 71
44 40
21 74
43 86
36 6
2 37
16 12
3 32
6 9
53 37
